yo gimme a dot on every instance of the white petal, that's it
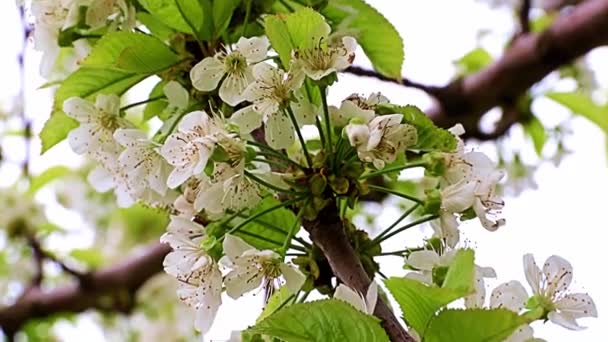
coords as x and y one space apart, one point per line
178 176
294 279
358 134
565 320
371 298
524 333
211 199
426 277
206 74
184 226
240 282
558 272
193 121
128 136
79 109
246 119
577 305
108 104
101 179
233 87
254 48
532 272
80 139
423 260
446 227
458 197
234 246
510 295
477 299
279 131
176 94
346 294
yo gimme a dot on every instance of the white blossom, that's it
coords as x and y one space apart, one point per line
326 56
550 287
356 107
512 296
365 304
227 189
382 139
251 267
189 149
235 65
146 169
199 276
94 136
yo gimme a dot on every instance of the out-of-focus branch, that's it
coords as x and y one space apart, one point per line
524 16
530 58
110 289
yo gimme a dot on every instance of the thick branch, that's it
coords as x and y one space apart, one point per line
117 282
328 234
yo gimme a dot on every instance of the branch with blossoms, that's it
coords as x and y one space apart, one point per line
250 151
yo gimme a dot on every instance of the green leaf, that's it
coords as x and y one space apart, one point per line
473 61
131 51
155 108
273 226
198 16
143 222
46 177
89 256
55 129
327 320
222 13
376 35
419 302
582 104
430 137
167 12
536 131
276 30
306 27
473 325
278 300
155 26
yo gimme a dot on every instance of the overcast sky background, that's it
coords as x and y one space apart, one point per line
563 216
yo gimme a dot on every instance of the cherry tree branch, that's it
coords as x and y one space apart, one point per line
109 289
327 232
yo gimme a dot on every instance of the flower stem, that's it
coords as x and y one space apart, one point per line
269 240
269 151
247 13
299 133
401 218
292 230
268 185
396 193
406 227
261 213
135 104
392 169
329 145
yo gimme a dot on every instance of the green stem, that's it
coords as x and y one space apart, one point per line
299 133
155 98
247 13
261 213
329 145
269 240
401 218
392 169
406 227
401 252
394 192
268 185
270 152
275 163
277 229
292 230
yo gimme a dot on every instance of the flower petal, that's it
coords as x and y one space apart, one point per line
246 119
178 176
510 295
532 272
79 109
279 131
524 333
565 320
234 246
294 279
346 294
240 282
577 305
423 260
127 137
371 297
558 273
206 74
233 87
254 48
176 94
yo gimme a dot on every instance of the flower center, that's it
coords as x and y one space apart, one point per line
235 63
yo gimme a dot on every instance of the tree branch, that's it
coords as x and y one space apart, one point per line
117 283
524 16
328 234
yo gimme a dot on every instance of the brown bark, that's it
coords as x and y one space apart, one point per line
327 232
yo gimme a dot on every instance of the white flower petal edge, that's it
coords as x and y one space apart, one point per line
365 304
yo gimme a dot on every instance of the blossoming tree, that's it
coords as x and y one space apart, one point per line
252 181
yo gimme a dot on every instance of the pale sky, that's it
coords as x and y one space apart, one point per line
563 216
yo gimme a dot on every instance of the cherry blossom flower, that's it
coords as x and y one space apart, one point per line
235 65
251 267
98 122
147 170
326 56
365 304
356 107
550 289
382 139
512 296
189 149
199 276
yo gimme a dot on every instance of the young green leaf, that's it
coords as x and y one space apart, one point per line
168 12
46 177
430 137
156 107
276 30
55 129
473 61
582 104
536 131
373 32
327 320
222 13
473 325
278 300
419 302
